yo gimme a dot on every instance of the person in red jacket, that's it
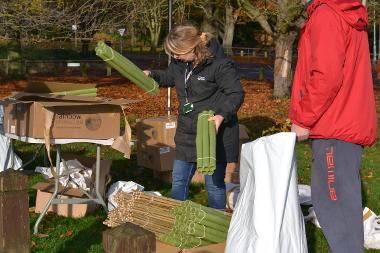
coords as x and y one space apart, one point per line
333 104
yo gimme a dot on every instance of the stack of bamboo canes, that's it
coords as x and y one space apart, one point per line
126 68
206 143
148 211
181 224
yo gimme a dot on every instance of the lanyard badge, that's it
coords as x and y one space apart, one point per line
188 106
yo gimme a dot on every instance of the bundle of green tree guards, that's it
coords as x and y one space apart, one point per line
206 143
126 68
183 224
197 225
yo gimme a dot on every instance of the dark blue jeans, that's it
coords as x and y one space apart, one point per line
184 171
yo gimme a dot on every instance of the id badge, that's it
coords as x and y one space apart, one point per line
188 107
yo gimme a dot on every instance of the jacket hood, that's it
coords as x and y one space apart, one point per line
352 11
215 48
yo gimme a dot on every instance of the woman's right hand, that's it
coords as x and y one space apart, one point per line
147 72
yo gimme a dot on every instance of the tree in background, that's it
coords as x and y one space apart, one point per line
281 19
219 18
374 27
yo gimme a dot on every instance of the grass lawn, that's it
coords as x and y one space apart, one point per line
85 235
259 112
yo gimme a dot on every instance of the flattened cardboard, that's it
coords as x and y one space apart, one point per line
47 87
66 210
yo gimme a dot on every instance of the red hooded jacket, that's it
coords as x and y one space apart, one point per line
333 88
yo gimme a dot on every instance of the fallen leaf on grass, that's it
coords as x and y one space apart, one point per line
67 234
368 176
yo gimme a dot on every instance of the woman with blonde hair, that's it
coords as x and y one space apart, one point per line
205 80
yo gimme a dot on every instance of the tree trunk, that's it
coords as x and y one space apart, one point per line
207 22
208 27
229 28
283 64
131 31
154 36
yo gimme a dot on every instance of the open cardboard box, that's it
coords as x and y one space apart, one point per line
47 116
166 248
45 190
71 117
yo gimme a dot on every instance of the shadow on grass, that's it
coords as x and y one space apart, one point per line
88 238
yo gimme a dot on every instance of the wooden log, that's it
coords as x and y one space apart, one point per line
14 212
11 180
129 238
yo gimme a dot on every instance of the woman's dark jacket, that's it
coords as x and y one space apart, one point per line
213 85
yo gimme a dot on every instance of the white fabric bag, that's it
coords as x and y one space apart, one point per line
268 216
371 223
6 153
232 194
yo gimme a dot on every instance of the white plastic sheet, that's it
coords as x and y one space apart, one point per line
5 151
232 194
121 186
304 192
75 175
371 229
312 217
268 217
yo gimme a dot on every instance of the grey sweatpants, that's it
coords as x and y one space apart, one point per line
336 193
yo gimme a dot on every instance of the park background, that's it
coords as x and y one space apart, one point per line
41 39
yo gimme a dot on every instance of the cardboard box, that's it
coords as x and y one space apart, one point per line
213 248
45 190
158 130
164 176
157 157
29 114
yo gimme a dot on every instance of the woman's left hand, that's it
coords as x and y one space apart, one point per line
218 120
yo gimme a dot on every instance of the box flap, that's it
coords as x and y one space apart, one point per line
49 187
166 248
48 87
213 248
50 100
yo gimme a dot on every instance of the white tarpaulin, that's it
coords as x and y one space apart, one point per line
268 217
6 153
